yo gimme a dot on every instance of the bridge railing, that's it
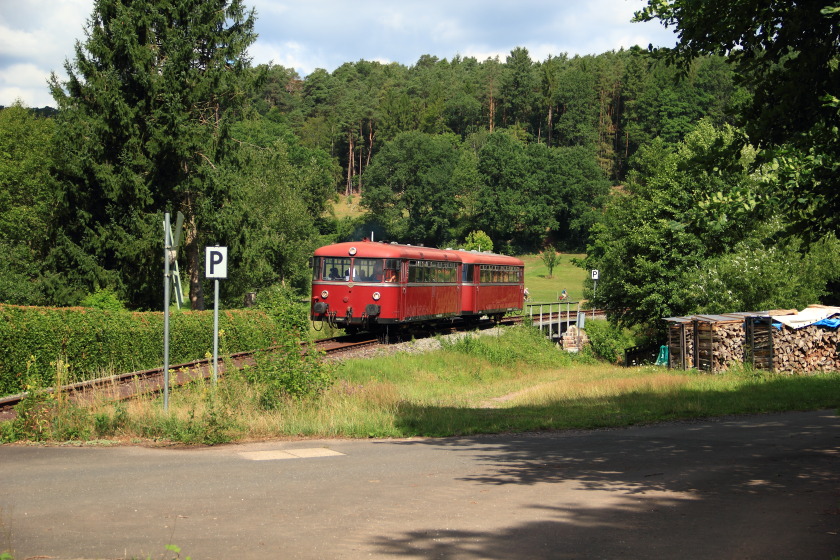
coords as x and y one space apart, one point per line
551 316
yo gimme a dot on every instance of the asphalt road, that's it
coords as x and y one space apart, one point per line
763 487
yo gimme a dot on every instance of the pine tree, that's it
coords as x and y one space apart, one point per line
143 123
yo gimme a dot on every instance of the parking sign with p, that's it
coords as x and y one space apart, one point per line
215 265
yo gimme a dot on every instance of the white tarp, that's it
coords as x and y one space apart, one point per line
808 316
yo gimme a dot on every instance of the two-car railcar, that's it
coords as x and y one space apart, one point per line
371 286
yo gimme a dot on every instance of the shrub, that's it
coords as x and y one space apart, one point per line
103 298
607 341
288 372
95 342
284 305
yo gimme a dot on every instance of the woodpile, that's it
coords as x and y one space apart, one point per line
715 343
718 344
806 350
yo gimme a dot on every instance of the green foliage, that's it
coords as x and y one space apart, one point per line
284 306
683 207
529 190
109 423
288 371
410 189
95 342
477 240
279 188
144 124
33 415
27 201
786 55
756 275
608 341
209 426
104 299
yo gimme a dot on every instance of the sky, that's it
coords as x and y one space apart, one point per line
38 36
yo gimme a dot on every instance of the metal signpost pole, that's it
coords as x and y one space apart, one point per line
166 249
216 332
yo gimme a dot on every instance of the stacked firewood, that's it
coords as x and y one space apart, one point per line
806 350
726 345
716 343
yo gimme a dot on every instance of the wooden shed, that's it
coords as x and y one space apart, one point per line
777 340
706 342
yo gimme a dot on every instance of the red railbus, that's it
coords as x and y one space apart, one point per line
370 286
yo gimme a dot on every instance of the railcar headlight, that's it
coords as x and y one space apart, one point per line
376 296
352 251
325 294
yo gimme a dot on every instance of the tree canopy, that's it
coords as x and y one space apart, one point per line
144 126
681 171
786 54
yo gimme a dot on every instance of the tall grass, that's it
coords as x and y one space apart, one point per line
516 381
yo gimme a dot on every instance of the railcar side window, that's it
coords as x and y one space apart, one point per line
424 272
500 274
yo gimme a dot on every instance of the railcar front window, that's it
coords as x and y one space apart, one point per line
335 269
392 270
364 270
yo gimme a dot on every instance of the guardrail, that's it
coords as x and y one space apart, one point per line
554 316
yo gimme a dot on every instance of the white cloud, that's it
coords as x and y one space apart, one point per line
26 82
37 36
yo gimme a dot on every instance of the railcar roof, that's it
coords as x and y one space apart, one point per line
473 257
379 250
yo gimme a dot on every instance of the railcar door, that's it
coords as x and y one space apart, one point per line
403 293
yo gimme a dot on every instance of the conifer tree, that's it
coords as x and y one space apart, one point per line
143 127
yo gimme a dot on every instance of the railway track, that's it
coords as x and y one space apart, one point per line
128 385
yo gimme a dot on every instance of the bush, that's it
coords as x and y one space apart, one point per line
95 342
284 305
607 341
288 372
104 299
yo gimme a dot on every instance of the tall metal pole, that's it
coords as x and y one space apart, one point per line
216 333
166 249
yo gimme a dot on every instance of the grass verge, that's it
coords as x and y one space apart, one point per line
517 381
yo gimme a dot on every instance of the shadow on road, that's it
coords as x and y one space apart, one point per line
755 487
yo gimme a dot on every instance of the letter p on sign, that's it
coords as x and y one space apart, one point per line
215 265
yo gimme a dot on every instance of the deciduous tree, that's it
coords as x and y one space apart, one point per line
787 54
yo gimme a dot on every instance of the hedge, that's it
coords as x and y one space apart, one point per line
96 343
